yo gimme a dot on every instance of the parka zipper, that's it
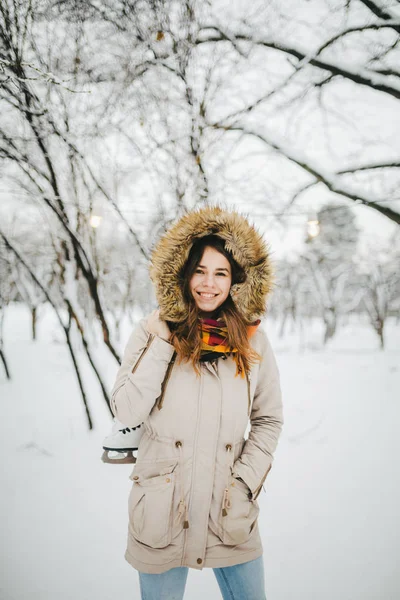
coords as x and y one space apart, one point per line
183 509
258 490
248 393
165 382
147 346
226 503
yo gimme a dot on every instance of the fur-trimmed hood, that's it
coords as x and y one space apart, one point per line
246 245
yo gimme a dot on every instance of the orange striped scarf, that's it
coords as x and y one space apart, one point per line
214 338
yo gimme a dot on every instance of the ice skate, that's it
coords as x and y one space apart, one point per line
120 444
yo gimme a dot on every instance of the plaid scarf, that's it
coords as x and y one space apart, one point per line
214 341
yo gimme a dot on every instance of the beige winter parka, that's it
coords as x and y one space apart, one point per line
187 506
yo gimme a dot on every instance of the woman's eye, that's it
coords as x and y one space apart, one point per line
222 274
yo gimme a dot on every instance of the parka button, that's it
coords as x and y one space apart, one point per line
228 446
178 444
199 561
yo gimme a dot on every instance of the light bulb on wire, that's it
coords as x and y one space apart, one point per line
313 227
96 216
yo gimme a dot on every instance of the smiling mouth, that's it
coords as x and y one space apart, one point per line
206 296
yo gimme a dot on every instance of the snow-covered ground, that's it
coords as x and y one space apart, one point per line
330 515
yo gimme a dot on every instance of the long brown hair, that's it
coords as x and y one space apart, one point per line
186 336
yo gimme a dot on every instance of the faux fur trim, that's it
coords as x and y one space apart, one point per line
241 238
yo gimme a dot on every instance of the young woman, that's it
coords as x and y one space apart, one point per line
196 371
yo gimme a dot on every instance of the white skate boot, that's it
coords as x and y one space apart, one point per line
120 443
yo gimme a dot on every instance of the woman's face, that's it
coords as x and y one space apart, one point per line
211 281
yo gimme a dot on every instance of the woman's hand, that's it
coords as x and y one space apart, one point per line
157 326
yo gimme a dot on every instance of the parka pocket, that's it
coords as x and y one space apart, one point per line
150 506
238 515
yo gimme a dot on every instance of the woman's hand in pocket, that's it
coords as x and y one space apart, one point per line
249 494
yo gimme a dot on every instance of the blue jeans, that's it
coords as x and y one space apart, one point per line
239 582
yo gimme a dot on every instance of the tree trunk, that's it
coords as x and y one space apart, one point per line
34 320
282 327
379 327
79 377
3 360
330 323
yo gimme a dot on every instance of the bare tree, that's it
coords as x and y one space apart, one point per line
286 300
381 284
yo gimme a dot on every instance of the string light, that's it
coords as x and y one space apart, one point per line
96 215
95 221
313 228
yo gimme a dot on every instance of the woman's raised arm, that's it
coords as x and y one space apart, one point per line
140 376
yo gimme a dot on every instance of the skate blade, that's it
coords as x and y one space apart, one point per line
118 458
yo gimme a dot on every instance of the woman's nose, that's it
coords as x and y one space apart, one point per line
209 280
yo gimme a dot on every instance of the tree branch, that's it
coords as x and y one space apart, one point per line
380 12
372 81
392 165
327 179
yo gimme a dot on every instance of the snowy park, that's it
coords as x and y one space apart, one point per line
119 117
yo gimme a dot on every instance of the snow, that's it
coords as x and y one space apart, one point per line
329 517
